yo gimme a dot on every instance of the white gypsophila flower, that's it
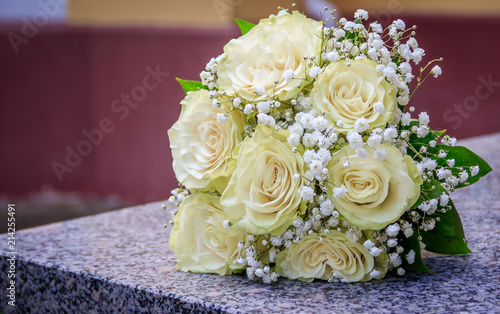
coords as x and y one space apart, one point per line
417 55
315 71
333 222
429 224
408 232
355 139
226 224
263 106
380 154
463 176
375 251
248 109
450 162
399 24
372 54
376 27
412 42
307 193
405 67
436 71
266 119
294 139
379 107
425 206
385 57
319 124
452 141
332 56
339 33
401 271
361 14
406 119
236 101
368 244
361 153
395 259
296 128
432 143
289 75
393 230
326 207
410 257
443 173
392 242
423 118
346 164
422 131
474 170
375 273
339 192
442 154
222 117
259 90
390 134
361 125
374 140
323 155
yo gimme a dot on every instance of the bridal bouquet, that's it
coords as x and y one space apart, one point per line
297 156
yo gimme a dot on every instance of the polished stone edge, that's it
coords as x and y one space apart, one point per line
47 288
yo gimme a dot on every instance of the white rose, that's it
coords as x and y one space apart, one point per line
262 196
266 54
377 192
332 256
199 240
348 93
201 145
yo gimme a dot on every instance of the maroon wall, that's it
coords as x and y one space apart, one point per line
65 80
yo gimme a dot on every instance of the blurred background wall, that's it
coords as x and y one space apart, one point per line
88 91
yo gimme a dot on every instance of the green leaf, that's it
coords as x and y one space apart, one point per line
443 244
245 26
188 86
412 243
447 237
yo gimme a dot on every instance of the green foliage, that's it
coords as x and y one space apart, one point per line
245 26
188 86
447 237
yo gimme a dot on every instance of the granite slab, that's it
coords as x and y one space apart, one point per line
120 262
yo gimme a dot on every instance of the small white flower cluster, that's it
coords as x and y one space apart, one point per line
209 76
255 267
178 196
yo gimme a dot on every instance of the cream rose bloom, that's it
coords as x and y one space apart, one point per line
263 55
378 192
199 240
348 93
201 145
332 256
262 196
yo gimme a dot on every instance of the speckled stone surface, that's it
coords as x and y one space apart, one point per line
120 261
